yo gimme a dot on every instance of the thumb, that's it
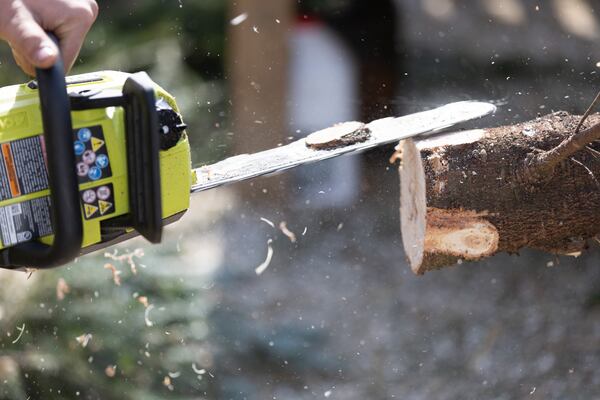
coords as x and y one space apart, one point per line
29 42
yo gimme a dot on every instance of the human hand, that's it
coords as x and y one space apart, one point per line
23 24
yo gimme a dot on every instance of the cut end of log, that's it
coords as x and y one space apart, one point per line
433 237
340 135
413 208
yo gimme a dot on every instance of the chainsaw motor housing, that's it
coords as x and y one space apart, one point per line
131 165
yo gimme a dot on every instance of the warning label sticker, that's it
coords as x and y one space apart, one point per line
25 221
22 168
98 202
92 155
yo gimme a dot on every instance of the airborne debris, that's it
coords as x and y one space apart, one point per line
239 19
268 222
263 267
115 273
127 257
167 383
143 300
397 154
62 289
21 330
198 371
111 371
174 375
84 339
340 226
284 229
147 315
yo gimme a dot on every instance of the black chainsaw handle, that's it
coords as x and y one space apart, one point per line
62 178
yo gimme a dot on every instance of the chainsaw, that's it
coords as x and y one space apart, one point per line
92 160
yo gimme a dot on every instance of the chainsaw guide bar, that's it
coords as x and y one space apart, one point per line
382 131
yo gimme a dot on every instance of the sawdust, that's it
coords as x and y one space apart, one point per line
62 289
263 267
84 339
116 274
284 229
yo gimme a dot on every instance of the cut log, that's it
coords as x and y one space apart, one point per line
467 195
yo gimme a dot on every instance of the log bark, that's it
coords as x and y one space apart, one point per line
468 195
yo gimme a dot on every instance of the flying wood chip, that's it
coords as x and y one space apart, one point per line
340 135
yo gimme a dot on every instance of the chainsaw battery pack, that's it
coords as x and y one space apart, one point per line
128 166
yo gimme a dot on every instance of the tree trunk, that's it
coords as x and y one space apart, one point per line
468 195
258 76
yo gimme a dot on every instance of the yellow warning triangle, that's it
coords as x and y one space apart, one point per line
104 206
90 210
97 144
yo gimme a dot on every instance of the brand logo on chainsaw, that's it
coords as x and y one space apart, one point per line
14 121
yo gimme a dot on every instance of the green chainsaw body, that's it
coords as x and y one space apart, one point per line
101 145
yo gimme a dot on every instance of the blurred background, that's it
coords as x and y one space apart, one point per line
337 314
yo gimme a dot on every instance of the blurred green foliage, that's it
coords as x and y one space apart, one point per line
140 339
180 44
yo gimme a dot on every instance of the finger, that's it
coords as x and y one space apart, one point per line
28 68
29 41
70 26
70 45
